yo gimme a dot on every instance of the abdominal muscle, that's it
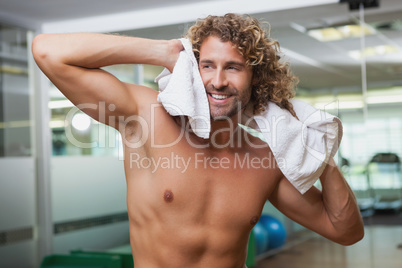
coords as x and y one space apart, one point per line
186 246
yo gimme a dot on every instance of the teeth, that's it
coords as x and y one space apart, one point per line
219 97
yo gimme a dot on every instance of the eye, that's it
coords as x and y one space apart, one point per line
233 68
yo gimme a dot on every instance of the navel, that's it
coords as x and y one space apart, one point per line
254 220
168 196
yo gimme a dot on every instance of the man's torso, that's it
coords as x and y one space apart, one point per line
191 205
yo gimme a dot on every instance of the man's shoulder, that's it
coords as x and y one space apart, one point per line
254 141
259 149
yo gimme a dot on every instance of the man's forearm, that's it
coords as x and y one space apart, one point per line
340 204
92 50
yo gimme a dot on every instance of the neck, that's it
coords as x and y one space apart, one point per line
225 132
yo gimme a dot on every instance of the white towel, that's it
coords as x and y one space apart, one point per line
301 147
182 92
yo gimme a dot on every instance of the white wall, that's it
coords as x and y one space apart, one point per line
85 187
18 210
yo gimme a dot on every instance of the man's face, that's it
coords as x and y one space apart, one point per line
226 77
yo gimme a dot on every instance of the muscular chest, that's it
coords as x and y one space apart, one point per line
198 187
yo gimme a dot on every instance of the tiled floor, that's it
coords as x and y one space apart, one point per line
378 249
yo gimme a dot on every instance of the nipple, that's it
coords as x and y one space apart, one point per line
168 196
254 220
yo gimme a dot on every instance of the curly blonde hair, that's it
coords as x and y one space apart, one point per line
273 78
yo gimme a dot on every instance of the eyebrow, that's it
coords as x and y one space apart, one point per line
232 62
236 63
206 61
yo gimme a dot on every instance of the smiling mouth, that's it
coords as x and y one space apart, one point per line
218 96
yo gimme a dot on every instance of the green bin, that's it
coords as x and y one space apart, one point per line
251 253
81 261
126 258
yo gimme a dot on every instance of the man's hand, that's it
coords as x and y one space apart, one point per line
174 47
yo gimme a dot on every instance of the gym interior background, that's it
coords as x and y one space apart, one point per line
61 173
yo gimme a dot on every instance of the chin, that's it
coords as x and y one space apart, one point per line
223 117
219 115
224 113
220 118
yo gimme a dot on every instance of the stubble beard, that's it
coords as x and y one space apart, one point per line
224 114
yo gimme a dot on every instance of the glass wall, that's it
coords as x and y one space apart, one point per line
15 119
75 133
17 164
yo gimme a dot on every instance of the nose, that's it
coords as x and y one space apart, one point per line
219 80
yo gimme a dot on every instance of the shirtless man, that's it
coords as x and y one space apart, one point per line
201 215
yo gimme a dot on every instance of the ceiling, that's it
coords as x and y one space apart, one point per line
55 10
320 66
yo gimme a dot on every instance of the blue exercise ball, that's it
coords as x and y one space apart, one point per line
261 238
276 231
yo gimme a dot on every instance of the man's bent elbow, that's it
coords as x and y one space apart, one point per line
45 54
352 237
39 50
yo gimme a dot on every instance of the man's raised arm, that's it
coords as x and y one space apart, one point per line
73 61
332 212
